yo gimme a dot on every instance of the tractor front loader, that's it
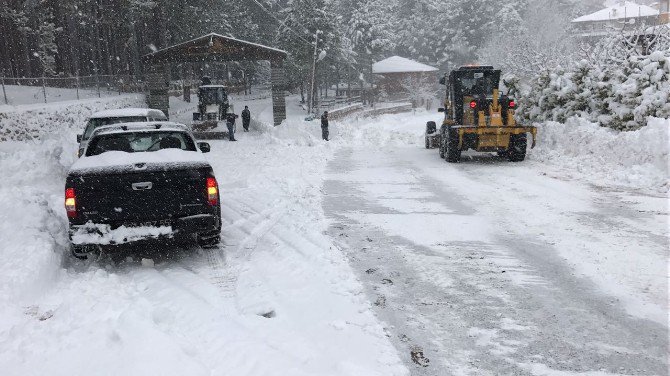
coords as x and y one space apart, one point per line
478 117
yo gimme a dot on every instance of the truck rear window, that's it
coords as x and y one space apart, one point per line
133 142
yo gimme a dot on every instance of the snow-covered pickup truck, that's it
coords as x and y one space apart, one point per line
138 181
122 115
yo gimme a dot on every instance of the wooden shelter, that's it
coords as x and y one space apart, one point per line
213 48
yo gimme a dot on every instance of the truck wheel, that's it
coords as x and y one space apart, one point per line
209 239
452 152
517 147
84 252
427 142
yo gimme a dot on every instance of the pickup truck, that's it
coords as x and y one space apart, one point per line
139 181
123 115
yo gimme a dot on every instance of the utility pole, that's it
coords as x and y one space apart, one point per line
310 106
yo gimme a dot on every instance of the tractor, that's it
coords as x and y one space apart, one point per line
210 120
478 117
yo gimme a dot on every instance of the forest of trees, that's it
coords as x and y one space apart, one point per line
85 37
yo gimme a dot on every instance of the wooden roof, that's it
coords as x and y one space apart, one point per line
214 47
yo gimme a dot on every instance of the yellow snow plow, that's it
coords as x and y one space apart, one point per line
478 117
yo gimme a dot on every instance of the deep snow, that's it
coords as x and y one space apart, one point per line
279 296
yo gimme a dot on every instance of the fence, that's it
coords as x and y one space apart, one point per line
63 88
337 102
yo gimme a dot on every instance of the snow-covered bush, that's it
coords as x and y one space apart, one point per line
618 92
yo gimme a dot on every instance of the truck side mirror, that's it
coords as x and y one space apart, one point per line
443 80
204 147
78 138
441 109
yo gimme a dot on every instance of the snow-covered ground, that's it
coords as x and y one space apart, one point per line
34 95
484 267
277 297
557 265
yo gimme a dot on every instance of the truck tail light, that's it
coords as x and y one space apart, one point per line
473 104
70 203
512 104
212 191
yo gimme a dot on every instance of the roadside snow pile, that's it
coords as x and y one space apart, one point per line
392 129
634 159
618 95
33 121
385 130
32 221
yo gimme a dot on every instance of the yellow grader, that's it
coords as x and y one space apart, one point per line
478 117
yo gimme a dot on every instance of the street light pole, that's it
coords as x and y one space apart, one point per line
310 107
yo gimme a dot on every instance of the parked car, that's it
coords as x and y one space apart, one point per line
123 115
138 181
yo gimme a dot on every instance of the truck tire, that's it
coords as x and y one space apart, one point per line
517 147
84 252
431 128
452 152
209 239
441 147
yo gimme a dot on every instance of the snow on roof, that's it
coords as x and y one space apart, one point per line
397 64
127 112
618 11
141 126
212 35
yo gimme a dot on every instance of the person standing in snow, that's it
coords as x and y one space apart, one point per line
324 125
246 118
230 123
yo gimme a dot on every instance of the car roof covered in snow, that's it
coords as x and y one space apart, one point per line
152 126
619 11
397 64
128 112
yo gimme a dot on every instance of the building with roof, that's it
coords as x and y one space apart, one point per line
623 16
396 76
213 47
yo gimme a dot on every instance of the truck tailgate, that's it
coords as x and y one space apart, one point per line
141 196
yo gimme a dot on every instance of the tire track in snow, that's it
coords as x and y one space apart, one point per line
223 274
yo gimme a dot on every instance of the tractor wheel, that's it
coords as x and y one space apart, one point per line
427 142
84 252
452 152
517 147
441 147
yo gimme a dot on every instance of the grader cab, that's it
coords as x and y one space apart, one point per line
478 117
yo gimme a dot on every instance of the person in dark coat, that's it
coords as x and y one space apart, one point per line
230 123
324 125
246 118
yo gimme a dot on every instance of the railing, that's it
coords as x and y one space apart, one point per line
327 104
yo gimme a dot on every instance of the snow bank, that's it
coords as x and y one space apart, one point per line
633 159
34 121
32 225
385 130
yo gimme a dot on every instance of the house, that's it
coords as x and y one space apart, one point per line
623 16
396 76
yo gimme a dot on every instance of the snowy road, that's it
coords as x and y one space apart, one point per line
489 268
